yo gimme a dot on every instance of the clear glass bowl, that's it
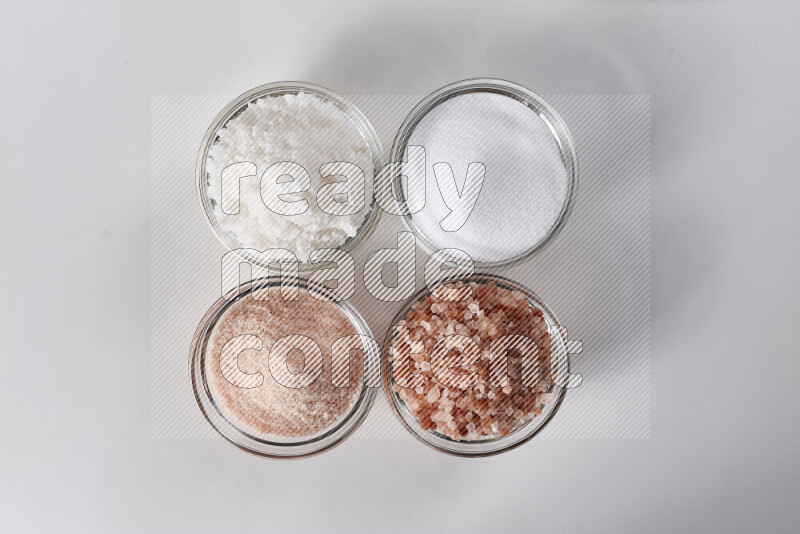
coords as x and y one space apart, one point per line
490 445
517 92
278 448
236 107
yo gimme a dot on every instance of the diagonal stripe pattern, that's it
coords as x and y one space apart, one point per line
595 275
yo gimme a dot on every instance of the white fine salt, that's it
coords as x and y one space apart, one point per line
525 185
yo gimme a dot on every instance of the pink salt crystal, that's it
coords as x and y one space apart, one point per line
418 356
546 398
433 394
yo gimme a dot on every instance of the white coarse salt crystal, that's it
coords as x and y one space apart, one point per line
525 185
299 128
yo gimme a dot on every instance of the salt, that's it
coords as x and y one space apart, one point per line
525 185
273 410
300 128
491 409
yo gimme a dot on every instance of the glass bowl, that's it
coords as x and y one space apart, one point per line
236 107
519 93
485 446
278 447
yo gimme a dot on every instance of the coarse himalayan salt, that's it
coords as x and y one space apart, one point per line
525 185
484 410
273 410
300 128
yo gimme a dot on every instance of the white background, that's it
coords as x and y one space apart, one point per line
75 87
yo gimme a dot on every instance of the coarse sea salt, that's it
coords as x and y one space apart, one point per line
525 185
301 128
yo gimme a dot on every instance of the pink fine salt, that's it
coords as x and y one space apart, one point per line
273 410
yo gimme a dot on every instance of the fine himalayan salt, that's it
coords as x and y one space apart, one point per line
483 410
272 410
300 128
525 185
